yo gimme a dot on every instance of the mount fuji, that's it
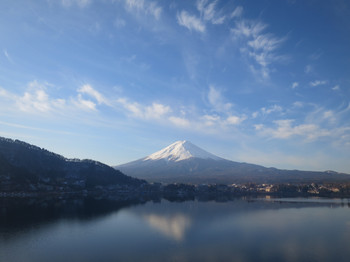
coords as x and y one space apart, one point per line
184 162
181 150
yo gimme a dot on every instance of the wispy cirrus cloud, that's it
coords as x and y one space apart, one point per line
237 12
308 69
83 104
153 111
318 83
295 85
259 46
218 117
191 22
87 89
217 101
235 120
208 12
181 122
8 57
146 7
38 98
267 110
336 88
319 123
248 28
221 122
89 98
221 117
284 129
5 94
80 3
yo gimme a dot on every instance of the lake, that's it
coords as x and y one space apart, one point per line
287 229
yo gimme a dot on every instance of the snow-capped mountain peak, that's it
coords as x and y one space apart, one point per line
181 150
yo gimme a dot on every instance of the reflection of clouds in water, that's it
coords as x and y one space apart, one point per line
174 226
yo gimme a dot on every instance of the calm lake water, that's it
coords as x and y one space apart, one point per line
238 230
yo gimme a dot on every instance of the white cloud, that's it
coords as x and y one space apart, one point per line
157 110
132 107
217 101
5 94
271 109
214 96
259 46
330 116
154 111
155 10
266 111
8 57
80 3
219 20
295 85
179 121
255 114
298 104
336 88
248 28
84 104
191 22
285 130
36 99
237 12
308 69
219 122
266 43
235 120
210 120
87 89
147 7
318 83
316 55
208 12
259 127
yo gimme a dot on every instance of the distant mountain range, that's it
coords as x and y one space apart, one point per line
184 162
27 167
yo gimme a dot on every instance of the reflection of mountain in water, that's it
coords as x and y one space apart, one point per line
173 219
174 226
239 230
19 214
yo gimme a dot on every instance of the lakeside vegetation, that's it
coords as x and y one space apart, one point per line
185 191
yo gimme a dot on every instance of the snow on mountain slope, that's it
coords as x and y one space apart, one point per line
183 162
181 150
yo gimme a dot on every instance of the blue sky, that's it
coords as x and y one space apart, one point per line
264 82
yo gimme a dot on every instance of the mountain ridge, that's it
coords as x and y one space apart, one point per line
27 167
169 165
